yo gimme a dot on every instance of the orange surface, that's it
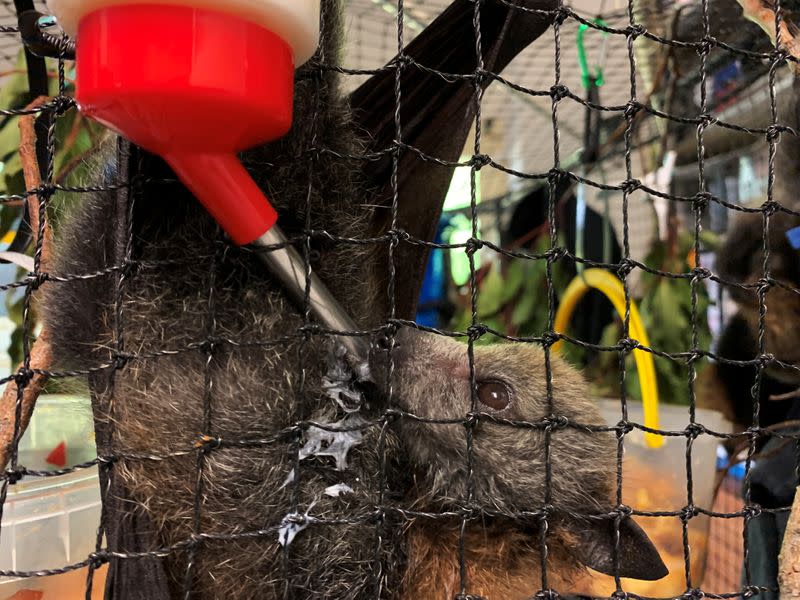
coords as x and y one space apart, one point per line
646 490
69 586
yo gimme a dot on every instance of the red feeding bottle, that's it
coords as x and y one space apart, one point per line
196 81
195 84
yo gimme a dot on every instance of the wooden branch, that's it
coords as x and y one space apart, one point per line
789 558
41 358
41 354
33 179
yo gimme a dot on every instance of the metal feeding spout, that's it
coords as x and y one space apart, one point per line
160 75
287 265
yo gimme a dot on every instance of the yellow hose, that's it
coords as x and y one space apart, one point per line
605 282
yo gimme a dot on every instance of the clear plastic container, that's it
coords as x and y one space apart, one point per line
655 480
51 522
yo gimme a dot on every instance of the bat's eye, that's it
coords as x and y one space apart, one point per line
494 394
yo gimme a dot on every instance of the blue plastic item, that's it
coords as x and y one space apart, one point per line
737 471
793 235
434 284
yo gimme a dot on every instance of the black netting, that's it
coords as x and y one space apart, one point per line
145 301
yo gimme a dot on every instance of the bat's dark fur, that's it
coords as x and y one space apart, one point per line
193 286
158 403
740 261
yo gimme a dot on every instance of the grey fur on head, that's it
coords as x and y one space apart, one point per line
432 378
214 348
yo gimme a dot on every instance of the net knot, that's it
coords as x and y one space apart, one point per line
626 265
751 511
754 431
559 92
631 185
557 253
764 284
770 207
391 415
701 273
694 429
773 133
780 55
120 359
555 175
315 70
13 476
293 433
97 560
42 191
208 345
35 280
473 245
562 13
695 354
765 360
400 234
480 160
545 510
704 121
23 376
476 331
481 75
378 516
632 107
620 595
627 345
472 420
390 329
547 595
749 591
62 104
310 330
556 422
129 269
402 60
549 338
694 594
689 512
701 200
704 46
624 427
468 597
635 30
623 511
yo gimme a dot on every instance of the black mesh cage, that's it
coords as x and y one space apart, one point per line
532 149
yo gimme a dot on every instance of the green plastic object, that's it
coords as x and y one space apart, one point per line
587 78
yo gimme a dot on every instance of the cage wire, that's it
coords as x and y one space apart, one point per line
542 86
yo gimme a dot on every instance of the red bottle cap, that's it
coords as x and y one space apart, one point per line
194 86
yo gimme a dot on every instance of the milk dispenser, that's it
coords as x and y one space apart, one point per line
156 72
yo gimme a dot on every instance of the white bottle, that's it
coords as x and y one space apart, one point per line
296 21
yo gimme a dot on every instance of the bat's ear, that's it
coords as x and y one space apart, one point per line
638 557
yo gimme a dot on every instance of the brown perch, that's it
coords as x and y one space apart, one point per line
41 354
